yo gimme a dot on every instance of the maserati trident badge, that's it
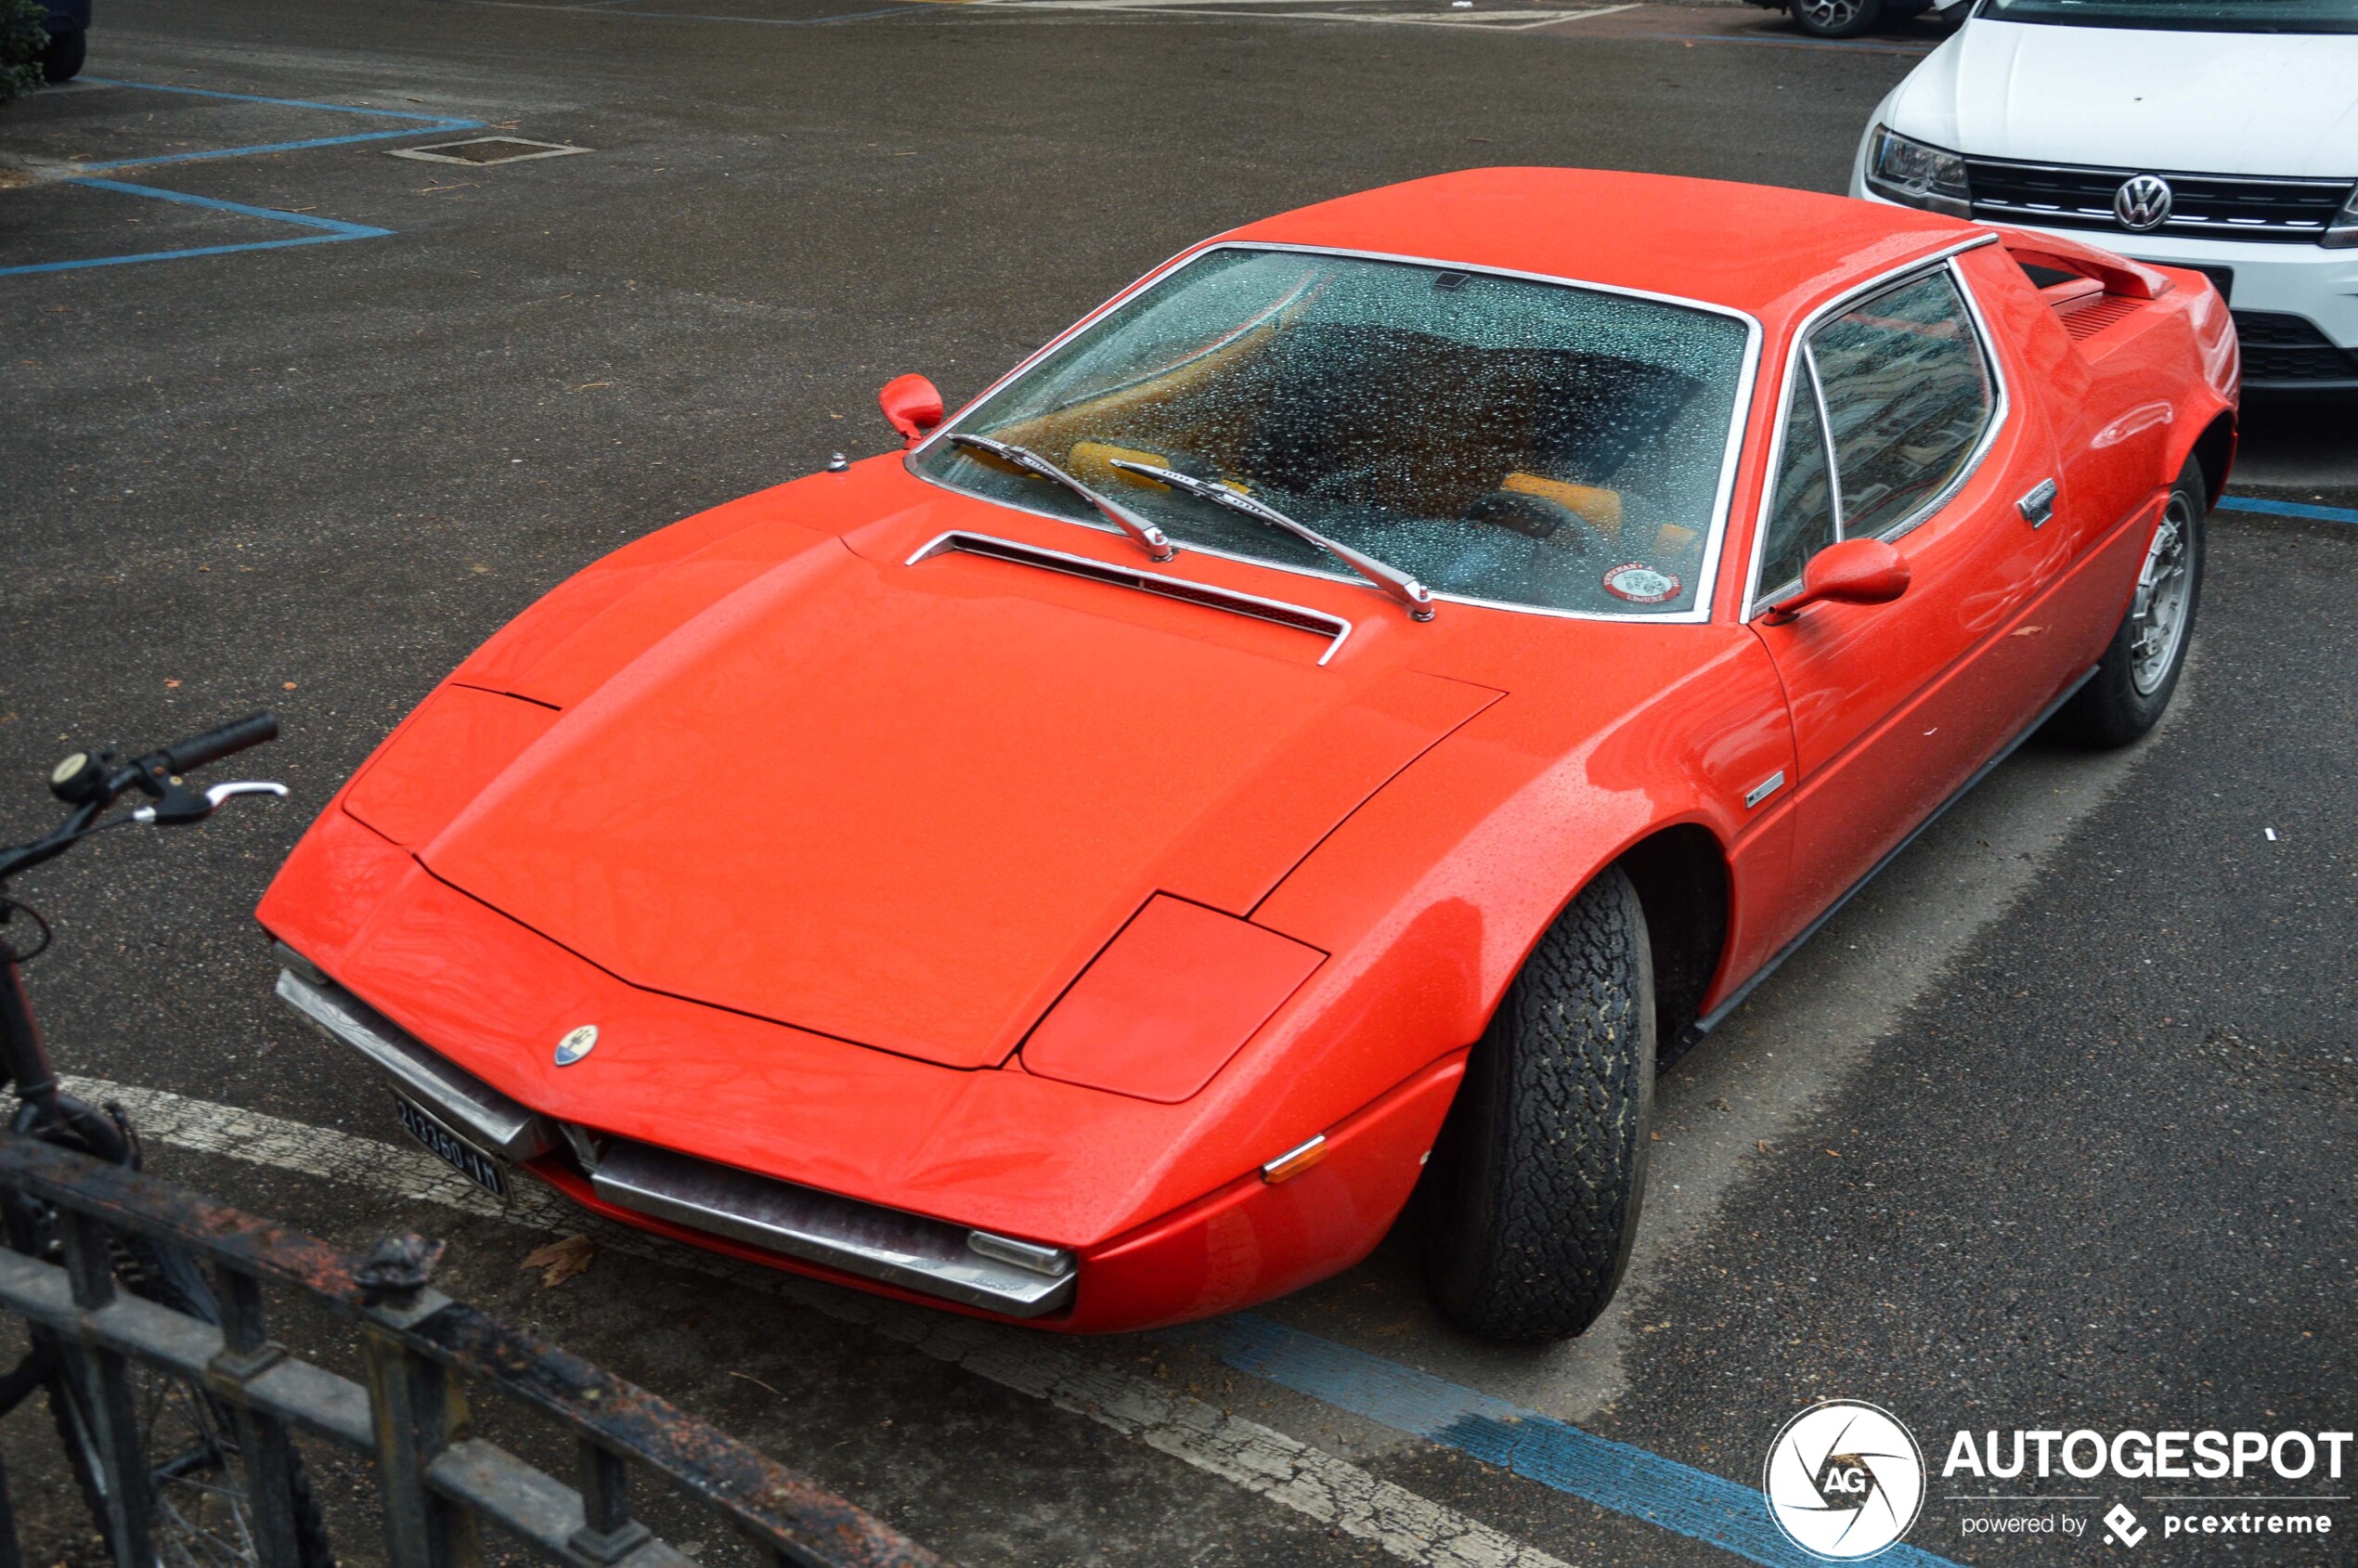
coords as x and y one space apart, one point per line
576 1044
2143 202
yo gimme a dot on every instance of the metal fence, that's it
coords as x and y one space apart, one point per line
425 1353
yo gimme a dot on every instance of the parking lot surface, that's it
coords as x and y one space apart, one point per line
2052 1127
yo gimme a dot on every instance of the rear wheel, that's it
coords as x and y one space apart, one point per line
1531 1201
2139 672
1836 19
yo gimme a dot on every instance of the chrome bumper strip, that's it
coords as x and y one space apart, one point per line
471 1105
929 1256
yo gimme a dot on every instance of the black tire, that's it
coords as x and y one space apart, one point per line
1835 19
2128 695
1530 1202
61 61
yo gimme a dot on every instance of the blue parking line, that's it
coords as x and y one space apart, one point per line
331 230
256 98
2286 509
426 124
1630 1481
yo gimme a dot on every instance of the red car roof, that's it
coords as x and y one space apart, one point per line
1758 248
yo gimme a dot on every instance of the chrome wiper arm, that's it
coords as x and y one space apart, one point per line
1391 579
1144 534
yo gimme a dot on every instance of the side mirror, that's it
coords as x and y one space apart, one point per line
912 404
1854 572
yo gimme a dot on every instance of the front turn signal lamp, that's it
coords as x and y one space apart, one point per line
2342 233
1916 174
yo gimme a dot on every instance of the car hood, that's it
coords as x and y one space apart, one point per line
2234 103
904 804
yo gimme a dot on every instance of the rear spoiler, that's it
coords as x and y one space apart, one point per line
2120 276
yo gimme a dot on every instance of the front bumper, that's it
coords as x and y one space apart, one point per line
930 1257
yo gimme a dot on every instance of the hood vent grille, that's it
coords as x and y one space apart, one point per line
1235 600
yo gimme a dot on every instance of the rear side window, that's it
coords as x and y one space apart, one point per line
1890 400
1907 396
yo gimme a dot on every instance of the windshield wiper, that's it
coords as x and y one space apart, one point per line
1144 534
1391 579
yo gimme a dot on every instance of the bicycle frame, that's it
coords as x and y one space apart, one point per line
47 1111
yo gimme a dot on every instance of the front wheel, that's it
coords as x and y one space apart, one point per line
1836 19
198 1510
2139 672
1530 1203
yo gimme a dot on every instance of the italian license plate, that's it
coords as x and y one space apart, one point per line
486 1171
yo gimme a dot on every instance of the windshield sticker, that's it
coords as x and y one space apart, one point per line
1640 583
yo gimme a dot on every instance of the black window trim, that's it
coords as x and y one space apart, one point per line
1800 362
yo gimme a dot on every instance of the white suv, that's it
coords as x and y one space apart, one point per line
2217 135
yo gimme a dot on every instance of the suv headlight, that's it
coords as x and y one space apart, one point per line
2342 233
1913 174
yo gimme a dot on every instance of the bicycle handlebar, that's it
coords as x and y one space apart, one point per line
90 784
185 757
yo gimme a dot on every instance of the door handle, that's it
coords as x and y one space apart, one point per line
2038 504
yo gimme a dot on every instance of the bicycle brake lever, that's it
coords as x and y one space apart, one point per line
213 796
220 792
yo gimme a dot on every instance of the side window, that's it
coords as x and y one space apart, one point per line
1908 396
1801 518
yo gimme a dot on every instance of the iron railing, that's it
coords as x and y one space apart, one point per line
425 1351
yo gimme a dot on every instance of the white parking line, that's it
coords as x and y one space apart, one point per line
1065 1372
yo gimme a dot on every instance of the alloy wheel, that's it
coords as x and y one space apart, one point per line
2157 614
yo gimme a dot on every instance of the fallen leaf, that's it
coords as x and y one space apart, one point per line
1834 1154
170 684
1762 1148
286 685
560 1261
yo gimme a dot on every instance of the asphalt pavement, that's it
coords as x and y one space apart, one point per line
2053 1127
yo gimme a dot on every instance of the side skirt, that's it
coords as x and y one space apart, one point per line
1711 1020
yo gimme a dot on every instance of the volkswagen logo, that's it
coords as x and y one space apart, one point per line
576 1044
2143 202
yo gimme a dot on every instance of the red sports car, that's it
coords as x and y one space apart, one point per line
1317 732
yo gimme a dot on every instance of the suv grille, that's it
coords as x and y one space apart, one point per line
2220 206
2280 350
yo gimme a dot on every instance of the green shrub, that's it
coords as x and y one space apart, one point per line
22 40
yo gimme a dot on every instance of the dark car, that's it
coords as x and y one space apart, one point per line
1849 19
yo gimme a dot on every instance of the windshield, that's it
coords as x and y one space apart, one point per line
1528 444
2185 16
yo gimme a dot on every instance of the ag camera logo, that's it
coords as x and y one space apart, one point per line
1844 1480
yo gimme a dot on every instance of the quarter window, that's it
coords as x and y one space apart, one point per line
1907 396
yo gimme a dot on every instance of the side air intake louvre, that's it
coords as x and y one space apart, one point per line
2085 318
